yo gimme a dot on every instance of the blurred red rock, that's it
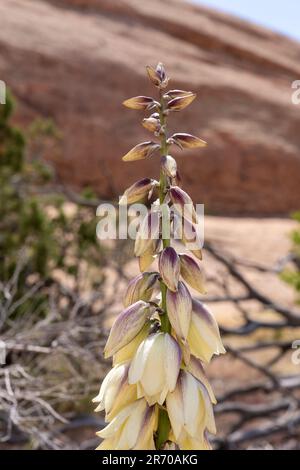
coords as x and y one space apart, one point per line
77 60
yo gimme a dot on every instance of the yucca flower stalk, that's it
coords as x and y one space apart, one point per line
157 395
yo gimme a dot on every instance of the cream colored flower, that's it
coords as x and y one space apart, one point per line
190 412
131 429
204 336
115 392
155 367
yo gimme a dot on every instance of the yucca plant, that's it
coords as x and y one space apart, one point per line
157 395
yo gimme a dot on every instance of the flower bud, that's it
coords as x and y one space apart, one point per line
126 326
181 102
140 288
183 203
169 268
158 76
187 141
151 124
169 166
179 308
192 273
139 102
148 233
155 367
141 151
138 191
204 335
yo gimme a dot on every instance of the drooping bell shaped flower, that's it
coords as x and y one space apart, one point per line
155 367
131 429
204 336
115 392
190 411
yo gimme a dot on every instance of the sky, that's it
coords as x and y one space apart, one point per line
280 15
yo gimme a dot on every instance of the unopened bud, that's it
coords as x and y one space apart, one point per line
151 124
139 102
169 268
179 308
192 273
127 325
187 141
177 104
141 151
138 191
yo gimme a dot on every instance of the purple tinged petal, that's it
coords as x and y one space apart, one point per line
196 368
192 273
179 308
137 191
140 288
183 203
139 102
141 151
181 102
169 268
126 326
188 141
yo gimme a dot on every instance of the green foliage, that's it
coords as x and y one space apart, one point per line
36 223
292 276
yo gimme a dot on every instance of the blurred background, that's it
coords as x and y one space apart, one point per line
67 66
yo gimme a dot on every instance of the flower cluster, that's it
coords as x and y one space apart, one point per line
157 394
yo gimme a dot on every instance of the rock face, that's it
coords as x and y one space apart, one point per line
77 60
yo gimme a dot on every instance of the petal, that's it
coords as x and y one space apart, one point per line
169 267
175 410
181 102
190 395
127 325
140 288
139 102
141 151
153 378
172 361
192 273
138 191
183 203
112 428
196 369
127 352
188 141
179 307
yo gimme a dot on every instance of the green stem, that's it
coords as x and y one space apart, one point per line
163 419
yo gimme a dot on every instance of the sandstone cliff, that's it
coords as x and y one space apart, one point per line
77 60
